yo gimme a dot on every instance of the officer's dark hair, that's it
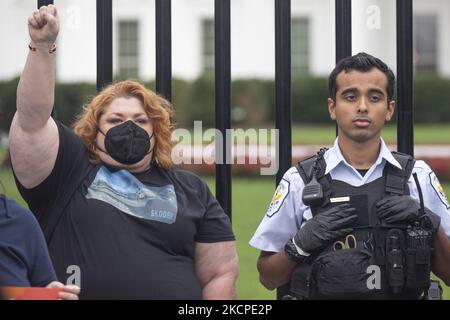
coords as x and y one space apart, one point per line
362 62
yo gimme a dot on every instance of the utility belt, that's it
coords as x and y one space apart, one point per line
370 263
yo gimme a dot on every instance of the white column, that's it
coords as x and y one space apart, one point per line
374 29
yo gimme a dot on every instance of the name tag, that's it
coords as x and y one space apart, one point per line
339 199
360 203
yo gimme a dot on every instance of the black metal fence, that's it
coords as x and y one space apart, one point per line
283 87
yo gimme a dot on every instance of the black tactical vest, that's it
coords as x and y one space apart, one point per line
376 261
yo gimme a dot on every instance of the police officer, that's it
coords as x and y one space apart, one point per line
368 201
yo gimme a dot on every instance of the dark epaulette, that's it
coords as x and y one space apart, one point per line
397 179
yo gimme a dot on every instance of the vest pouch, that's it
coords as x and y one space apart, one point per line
302 285
418 267
343 274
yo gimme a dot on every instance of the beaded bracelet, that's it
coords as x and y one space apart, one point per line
51 50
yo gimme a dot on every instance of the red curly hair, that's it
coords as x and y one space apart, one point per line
158 109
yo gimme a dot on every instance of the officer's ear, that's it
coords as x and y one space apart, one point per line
331 108
390 111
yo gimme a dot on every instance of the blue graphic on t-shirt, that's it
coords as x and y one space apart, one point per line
125 192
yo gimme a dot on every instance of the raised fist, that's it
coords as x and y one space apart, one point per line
43 25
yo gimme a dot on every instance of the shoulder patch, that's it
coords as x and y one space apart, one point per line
437 187
278 198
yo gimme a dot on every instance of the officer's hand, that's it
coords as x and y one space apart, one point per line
397 209
431 220
43 25
325 227
404 208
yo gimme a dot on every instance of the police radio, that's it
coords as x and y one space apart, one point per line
313 193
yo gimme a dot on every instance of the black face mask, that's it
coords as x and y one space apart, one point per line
127 143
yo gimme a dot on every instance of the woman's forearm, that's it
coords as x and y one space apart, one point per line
221 288
36 89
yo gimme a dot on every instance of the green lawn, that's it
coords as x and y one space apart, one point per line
423 134
325 134
250 200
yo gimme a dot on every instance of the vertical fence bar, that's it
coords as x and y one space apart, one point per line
41 3
104 43
283 95
405 115
343 29
164 48
223 100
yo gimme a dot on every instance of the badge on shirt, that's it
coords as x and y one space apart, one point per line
439 190
278 198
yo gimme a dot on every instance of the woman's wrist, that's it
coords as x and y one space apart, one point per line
42 46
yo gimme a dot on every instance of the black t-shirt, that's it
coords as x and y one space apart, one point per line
130 236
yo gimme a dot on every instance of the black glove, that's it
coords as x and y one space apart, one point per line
404 208
398 209
325 227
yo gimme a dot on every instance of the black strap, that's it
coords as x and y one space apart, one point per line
305 167
397 179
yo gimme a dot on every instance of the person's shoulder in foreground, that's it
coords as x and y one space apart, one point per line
24 258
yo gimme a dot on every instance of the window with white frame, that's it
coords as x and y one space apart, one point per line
208 46
128 56
300 46
425 43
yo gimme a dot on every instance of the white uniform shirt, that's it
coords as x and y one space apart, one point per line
287 212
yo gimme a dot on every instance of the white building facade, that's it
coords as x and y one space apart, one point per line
252 37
